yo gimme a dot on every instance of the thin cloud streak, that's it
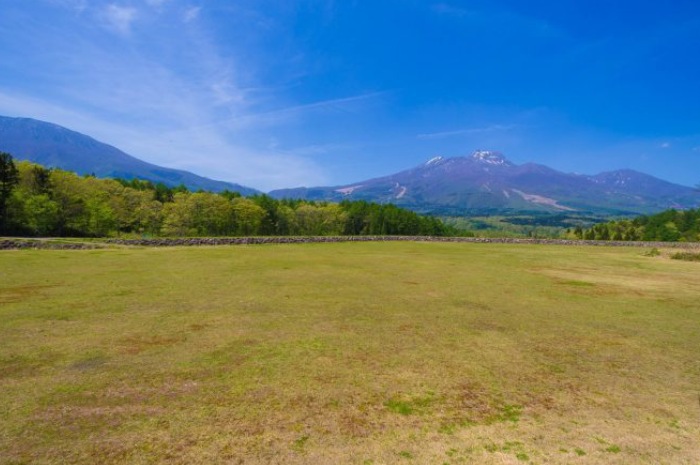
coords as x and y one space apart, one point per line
278 116
157 3
468 131
205 152
119 18
447 9
192 14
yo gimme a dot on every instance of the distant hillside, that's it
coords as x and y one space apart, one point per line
669 226
487 181
55 146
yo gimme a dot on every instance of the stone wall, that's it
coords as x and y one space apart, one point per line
14 244
10 243
168 242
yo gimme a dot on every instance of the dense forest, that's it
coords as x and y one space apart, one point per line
36 201
668 226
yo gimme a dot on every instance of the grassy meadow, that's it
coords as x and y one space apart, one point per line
358 353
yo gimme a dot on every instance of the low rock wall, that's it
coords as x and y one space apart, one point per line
7 244
14 244
169 242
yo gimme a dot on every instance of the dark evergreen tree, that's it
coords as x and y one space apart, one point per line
9 177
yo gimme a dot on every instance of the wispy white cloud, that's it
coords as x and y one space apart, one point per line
210 152
163 98
468 131
191 14
16 104
78 5
498 17
343 105
665 145
312 149
444 8
205 150
157 3
119 18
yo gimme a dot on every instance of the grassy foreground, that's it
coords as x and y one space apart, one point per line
364 353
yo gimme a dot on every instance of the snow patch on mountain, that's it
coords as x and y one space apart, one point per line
434 161
489 157
348 190
541 200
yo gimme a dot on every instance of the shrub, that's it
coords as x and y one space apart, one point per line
687 256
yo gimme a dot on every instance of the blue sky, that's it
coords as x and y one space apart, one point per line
272 93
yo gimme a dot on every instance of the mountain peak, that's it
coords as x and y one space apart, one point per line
492 158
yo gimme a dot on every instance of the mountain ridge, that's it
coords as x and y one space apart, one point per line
487 180
55 146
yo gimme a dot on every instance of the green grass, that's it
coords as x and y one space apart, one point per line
348 353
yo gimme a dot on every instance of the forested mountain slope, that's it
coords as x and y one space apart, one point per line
54 146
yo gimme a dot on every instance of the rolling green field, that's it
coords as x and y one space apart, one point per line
363 353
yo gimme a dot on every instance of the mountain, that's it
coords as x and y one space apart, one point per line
57 147
485 182
488 182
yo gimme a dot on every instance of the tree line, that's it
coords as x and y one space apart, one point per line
668 226
38 201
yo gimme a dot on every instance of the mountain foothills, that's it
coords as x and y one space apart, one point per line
486 182
36 201
57 147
